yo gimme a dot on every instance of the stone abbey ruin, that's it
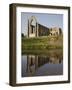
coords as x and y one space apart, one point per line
35 29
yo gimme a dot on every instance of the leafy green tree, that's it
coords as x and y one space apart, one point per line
22 35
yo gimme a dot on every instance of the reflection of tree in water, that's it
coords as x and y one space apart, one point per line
36 61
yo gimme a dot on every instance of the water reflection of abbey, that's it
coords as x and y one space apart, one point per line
34 62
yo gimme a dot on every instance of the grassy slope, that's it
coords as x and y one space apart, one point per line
42 43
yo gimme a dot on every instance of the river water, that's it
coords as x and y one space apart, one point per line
43 64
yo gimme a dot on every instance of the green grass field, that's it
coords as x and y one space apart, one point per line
42 43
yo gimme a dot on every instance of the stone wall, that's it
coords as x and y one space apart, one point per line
42 30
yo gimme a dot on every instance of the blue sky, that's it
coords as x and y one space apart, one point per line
48 20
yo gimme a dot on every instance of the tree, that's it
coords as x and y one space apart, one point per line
22 35
60 31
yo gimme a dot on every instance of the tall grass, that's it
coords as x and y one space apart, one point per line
42 43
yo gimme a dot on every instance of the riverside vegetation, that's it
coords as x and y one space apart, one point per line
43 43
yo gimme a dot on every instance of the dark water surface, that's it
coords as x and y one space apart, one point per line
49 63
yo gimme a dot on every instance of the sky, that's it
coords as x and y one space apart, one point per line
48 20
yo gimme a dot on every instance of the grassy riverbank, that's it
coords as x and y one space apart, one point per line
42 43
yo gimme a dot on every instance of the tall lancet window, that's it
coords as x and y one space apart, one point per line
33 24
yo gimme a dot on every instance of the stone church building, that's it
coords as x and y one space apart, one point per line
36 30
